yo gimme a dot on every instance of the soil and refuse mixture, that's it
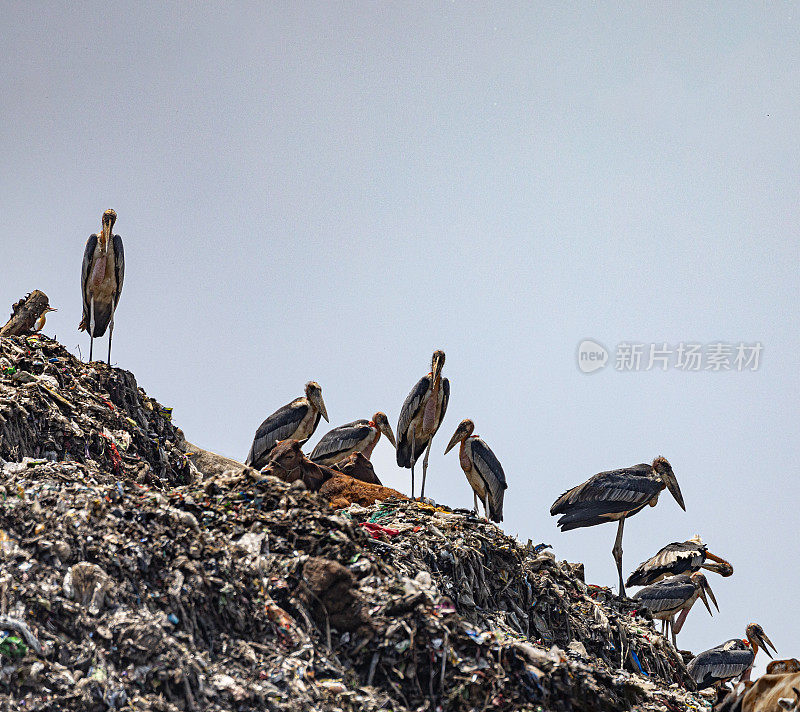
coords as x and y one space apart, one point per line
138 572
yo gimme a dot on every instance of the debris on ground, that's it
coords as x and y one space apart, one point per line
139 572
26 313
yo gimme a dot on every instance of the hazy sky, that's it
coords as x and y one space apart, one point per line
331 191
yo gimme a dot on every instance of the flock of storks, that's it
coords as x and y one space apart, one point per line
671 580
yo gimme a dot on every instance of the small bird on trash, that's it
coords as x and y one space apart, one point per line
359 436
674 595
102 275
679 557
295 421
614 496
731 659
39 325
482 468
420 417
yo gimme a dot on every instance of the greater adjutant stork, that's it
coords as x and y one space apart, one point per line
420 418
483 470
359 436
102 274
295 421
614 496
731 659
672 595
680 557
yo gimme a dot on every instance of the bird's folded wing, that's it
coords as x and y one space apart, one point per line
341 439
618 490
119 266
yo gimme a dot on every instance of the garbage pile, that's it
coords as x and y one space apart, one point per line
135 576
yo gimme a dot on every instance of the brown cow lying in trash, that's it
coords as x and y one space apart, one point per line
287 463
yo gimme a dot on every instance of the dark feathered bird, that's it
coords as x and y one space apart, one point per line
102 275
483 470
359 436
420 417
614 496
296 421
733 658
674 595
684 557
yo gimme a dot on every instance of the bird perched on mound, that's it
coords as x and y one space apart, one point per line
359 436
295 421
102 274
483 470
684 557
672 595
614 496
28 315
420 417
730 659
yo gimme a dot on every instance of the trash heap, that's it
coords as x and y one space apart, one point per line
131 578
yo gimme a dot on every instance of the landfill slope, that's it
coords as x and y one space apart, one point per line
135 574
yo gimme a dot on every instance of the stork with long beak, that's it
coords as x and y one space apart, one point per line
420 418
102 275
295 421
673 595
679 557
359 436
731 659
614 496
482 468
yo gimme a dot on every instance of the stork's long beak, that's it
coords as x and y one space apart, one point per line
706 588
386 429
765 641
437 367
672 485
457 436
323 411
717 565
49 309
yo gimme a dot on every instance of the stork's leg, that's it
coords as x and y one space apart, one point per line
486 507
617 552
110 333
475 494
672 630
91 327
413 460
425 467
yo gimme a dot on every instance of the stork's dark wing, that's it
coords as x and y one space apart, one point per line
340 440
720 664
119 267
667 594
604 494
282 424
445 400
91 244
680 557
491 472
410 408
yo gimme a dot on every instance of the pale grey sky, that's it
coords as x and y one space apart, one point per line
331 191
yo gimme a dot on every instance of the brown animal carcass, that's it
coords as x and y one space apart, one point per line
342 491
772 693
358 467
288 463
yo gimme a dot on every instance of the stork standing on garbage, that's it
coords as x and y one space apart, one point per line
679 557
614 496
731 659
420 418
675 595
359 436
482 468
295 421
102 274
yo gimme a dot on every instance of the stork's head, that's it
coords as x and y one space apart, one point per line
314 395
381 422
756 636
664 469
437 363
703 587
716 564
108 220
463 431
